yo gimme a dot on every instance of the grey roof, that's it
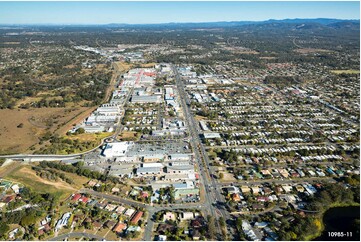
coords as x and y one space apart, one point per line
182 167
148 169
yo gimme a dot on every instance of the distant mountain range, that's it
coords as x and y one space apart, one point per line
332 23
323 21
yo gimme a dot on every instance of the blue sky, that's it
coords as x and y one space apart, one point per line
164 12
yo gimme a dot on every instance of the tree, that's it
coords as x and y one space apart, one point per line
19 234
222 222
28 220
221 175
2 160
4 228
171 113
353 180
239 223
211 227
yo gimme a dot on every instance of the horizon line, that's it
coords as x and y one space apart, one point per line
164 23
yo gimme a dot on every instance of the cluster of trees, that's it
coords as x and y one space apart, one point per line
334 194
127 116
230 156
176 233
303 227
353 180
51 175
64 145
206 113
211 227
169 191
238 224
78 131
104 187
132 235
27 217
79 169
282 81
160 81
299 229
6 101
69 83
45 103
2 160
171 113
96 92
323 151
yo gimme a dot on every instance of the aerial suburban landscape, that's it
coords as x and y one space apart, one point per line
212 130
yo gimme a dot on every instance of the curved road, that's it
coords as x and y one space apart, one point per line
31 157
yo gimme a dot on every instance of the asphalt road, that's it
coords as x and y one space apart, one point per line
30 157
278 181
77 235
150 209
211 186
210 196
120 126
114 198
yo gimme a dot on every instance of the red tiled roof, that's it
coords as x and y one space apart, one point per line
97 224
144 194
84 199
76 197
236 197
136 217
47 227
9 199
119 227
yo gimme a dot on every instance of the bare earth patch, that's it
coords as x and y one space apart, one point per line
345 72
229 177
59 184
311 50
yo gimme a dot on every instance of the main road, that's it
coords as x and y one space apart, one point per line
209 184
211 191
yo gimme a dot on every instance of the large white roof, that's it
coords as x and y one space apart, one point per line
116 149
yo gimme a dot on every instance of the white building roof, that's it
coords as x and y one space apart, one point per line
160 165
211 135
116 149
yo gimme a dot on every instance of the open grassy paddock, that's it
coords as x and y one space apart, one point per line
128 136
90 136
35 122
26 176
